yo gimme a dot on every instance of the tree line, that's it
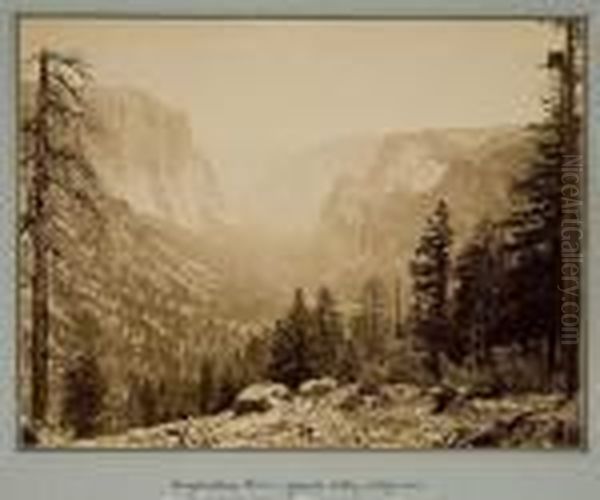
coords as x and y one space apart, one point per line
506 287
488 311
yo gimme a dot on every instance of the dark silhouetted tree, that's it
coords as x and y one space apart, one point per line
148 403
534 228
372 325
84 386
476 302
430 270
349 363
206 388
326 343
54 164
290 362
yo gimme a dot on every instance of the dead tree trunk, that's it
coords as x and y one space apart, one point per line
39 236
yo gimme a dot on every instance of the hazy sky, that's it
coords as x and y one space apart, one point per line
258 91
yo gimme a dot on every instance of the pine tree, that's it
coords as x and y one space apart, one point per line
534 242
477 297
374 320
147 401
256 357
54 164
83 395
328 335
227 385
206 387
534 245
430 270
290 362
349 363
84 386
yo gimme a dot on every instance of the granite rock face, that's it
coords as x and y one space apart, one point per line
147 156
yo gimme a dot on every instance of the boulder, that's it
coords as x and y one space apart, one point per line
259 398
29 436
318 387
441 397
498 433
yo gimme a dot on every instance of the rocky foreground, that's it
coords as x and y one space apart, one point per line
322 415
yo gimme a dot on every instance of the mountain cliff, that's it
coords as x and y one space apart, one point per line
141 276
148 158
162 280
372 215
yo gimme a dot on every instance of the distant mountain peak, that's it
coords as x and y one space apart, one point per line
146 156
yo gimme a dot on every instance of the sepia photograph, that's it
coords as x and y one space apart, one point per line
300 233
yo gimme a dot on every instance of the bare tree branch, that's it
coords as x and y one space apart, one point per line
74 63
59 80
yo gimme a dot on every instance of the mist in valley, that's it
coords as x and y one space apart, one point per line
257 215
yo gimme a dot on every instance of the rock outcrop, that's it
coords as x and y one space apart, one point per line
259 398
275 420
318 387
